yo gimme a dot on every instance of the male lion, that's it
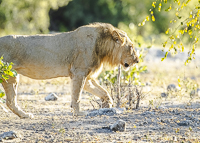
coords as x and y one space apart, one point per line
79 54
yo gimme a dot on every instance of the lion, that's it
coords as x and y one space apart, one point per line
80 54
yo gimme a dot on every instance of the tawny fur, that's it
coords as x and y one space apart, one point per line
79 54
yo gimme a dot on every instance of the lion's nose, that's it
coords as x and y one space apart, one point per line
126 65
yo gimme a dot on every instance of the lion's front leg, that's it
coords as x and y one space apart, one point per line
94 88
10 87
77 87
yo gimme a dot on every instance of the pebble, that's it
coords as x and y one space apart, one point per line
171 87
106 111
120 125
148 112
164 94
195 92
51 97
148 83
162 107
8 135
184 123
144 123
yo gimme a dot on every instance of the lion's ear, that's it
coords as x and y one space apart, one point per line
116 36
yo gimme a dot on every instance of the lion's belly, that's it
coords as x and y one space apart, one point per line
43 73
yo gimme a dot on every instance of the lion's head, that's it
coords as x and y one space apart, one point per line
128 55
113 46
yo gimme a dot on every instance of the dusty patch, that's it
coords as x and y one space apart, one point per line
161 120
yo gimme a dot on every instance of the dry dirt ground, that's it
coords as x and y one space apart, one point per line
159 119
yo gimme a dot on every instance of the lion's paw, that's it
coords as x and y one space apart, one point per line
27 115
107 104
80 113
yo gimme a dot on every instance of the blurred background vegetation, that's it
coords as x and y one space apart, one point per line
43 16
46 16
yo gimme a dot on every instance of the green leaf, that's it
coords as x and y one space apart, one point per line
14 72
10 67
179 17
5 77
162 59
10 73
2 94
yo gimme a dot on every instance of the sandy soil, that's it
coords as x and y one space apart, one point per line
173 118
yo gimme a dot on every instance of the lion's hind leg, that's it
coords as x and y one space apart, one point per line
94 88
10 87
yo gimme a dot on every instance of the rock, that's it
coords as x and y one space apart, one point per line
184 123
144 123
163 121
120 125
51 97
148 113
164 94
148 83
106 111
195 92
161 107
193 78
8 135
172 87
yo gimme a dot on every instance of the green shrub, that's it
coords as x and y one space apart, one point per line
5 72
133 75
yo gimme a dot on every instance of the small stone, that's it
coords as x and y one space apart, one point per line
184 123
162 107
171 87
148 83
164 94
193 93
106 111
68 139
163 121
144 123
8 135
148 113
51 97
120 125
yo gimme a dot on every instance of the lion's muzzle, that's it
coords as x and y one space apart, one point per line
126 65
